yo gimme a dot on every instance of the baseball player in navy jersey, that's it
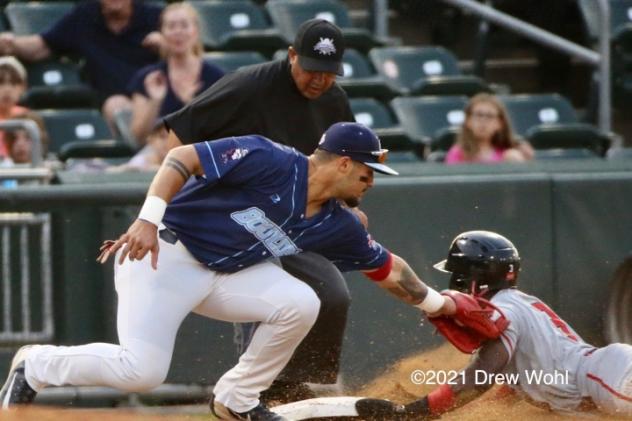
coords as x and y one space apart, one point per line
219 235
538 355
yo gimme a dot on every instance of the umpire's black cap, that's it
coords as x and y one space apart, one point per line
320 45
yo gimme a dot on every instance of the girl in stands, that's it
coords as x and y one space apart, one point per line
486 135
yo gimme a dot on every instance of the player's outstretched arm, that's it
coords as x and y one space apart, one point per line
403 283
474 381
140 239
477 378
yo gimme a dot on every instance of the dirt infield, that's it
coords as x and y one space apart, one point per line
395 385
54 414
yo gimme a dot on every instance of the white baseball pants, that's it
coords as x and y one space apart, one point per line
153 304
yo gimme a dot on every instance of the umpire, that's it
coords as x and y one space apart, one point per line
292 101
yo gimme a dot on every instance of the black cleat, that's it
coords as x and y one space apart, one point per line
16 390
258 413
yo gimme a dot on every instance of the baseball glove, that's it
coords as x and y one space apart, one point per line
476 320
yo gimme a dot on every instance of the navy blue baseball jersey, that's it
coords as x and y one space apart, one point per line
250 206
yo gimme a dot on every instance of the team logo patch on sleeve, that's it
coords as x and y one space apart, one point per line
234 154
372 243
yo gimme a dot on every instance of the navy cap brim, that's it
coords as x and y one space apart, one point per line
314 65
381 168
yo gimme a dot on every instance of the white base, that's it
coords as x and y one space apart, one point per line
342 406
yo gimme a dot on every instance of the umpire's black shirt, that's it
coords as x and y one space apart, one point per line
260 99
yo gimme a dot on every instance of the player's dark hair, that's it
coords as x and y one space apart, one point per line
324 156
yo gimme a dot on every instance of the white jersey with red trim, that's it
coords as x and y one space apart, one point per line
545 353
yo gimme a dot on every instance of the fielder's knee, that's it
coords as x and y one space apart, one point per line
299 308
144 373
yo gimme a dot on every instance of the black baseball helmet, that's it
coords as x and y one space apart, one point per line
481 261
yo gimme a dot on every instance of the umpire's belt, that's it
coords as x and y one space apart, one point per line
168 236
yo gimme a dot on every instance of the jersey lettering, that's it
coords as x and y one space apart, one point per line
555 319
254 220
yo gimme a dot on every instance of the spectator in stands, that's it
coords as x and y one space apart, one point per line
162 88
486 135
151 155
115 37
19 142
12 86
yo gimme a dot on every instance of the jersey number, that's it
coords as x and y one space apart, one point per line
555 319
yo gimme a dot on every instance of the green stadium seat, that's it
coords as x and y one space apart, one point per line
57 84
105 148
426 119
619 153
230 61
620 15
288 15
237 25
620 44
378 117
550 121
565 153
424 71
64 126
34 17
360 79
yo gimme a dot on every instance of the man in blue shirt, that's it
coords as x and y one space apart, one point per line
220 235
115 37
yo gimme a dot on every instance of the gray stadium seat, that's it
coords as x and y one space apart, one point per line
424 71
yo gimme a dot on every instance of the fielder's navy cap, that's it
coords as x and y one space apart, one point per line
359 143
320 45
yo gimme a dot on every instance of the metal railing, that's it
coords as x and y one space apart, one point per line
24 290
26 281
600 59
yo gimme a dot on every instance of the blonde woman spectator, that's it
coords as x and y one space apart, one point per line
165 87
12 86
486 135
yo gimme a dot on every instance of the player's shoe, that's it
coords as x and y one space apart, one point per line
258 413
16 391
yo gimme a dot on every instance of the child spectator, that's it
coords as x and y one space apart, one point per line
19 142
151 155
12 86
486 135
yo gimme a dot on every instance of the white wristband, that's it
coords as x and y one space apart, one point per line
433 301
153 210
